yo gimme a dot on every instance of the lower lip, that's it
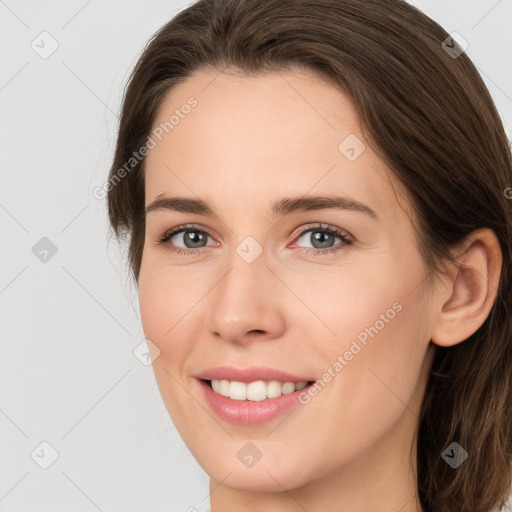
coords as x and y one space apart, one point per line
248 412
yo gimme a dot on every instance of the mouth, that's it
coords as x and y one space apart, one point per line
243 410
255 391
251 396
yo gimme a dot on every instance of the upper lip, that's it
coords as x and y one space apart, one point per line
251 374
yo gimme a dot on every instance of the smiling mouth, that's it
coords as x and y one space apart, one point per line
254 391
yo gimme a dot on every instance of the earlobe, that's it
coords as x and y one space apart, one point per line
468 296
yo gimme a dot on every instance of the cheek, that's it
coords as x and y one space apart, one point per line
163 309
380 320
380 382
163 303
152 300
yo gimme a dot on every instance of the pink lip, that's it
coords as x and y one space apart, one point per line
246 412
250 374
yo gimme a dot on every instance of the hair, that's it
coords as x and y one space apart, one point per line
429 116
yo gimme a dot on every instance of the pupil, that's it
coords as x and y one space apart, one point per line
321 237
193 237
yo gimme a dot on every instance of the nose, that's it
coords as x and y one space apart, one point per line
248 302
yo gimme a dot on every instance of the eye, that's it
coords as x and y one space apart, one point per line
322 239
190 240
191 237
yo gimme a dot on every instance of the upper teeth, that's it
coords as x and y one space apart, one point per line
255 391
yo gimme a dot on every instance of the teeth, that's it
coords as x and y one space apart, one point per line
237 390
255 391
274 389
224 387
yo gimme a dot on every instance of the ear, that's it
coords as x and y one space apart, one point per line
466 298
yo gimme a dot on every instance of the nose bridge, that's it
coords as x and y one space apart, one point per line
244 300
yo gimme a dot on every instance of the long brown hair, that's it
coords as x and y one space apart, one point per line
425 110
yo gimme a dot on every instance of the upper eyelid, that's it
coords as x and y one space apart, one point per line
324 227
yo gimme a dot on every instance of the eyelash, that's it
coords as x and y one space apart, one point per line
333 230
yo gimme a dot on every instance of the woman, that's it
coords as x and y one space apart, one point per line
315 199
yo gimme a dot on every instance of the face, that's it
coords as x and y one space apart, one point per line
266 284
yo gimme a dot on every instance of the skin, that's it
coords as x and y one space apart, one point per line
251 141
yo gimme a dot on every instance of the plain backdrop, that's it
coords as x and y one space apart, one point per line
69 316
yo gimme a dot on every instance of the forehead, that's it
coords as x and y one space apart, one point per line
256 139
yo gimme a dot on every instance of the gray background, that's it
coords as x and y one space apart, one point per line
69 325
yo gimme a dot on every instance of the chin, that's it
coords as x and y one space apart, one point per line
268 474
257 480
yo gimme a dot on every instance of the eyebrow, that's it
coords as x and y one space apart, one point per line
284 206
